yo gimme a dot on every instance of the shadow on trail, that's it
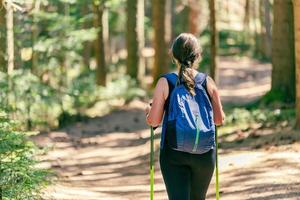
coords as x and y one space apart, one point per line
122 120
107 155
258 138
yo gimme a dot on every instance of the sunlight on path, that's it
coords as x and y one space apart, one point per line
113 167
243 80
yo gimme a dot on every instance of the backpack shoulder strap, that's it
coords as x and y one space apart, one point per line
171 78
201 78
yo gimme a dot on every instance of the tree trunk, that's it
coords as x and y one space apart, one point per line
194 13
297 52
160 46
265 37
181 19
168 21
132 39
268 33
99 43
2 38
283 51
214 40
168 29
257 32
105 24
86 45
247 16
34 35
10 37
141 38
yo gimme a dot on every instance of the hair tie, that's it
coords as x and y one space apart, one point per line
186 63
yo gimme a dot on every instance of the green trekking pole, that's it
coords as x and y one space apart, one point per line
217 168
152 164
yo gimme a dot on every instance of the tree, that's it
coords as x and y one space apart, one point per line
214 40
194 13
141 37
10 37
247 15
131 39
266 26
2 37
255 8
160 45
34 35
297 53
99 44
87 45
283 56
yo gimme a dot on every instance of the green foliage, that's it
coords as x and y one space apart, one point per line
39 105
233 43
84 93
29 99
124 87
20 179
239 116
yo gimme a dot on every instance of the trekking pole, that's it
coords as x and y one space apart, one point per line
217 168
152 164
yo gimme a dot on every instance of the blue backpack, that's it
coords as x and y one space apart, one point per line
188 122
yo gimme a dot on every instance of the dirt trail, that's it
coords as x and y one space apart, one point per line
106 158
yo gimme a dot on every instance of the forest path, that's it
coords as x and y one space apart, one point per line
92 164
107 157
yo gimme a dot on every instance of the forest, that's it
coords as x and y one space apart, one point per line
76 76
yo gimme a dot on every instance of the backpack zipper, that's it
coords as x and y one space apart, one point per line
197 135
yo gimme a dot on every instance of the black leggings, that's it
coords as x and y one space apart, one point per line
186 176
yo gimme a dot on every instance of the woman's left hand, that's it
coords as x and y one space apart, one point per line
147 109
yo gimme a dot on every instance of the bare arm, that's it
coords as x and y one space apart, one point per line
219 115
156 111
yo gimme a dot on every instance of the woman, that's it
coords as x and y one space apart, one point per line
186 175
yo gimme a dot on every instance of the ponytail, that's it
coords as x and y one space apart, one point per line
186 51
186 76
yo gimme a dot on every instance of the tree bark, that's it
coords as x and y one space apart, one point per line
257 30
160 46
297 53
132 41
99 44
2 38
247 16
194 13
86 45
105 23
214 40
265 37
141 38
268 33
283 51
34 35
10 37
